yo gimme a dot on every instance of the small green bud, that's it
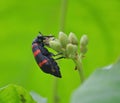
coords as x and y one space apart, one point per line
55 45
63 39
83 50
73 39
84 40
71 50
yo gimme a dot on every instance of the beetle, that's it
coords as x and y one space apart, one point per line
43 57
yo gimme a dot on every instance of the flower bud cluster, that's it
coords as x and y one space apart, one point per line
68 44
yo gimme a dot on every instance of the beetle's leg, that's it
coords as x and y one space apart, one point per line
59 58
75 67
57 54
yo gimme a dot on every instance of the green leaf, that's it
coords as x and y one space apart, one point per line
15 94
38 98
103 86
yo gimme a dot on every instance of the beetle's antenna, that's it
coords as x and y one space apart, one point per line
45 36
40 33
49 36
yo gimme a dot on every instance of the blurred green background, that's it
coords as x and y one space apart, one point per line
20 22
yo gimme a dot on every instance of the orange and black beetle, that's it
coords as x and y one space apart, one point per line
43 57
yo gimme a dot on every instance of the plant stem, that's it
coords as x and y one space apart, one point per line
78 62
62 27
63 14
55 95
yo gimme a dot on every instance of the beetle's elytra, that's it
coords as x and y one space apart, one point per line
43 57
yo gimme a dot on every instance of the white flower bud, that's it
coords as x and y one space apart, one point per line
84 40
55 45
73 39
63 39
83 50
71 50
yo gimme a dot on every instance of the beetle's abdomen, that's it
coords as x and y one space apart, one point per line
47 64
40 59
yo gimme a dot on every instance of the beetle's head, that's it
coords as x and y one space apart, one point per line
44 39
40 38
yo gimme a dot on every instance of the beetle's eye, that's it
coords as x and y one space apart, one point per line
39 40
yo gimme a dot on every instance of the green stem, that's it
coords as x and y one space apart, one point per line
78 62
62 27
55 95
63 14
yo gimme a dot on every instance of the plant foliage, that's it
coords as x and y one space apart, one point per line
103 86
